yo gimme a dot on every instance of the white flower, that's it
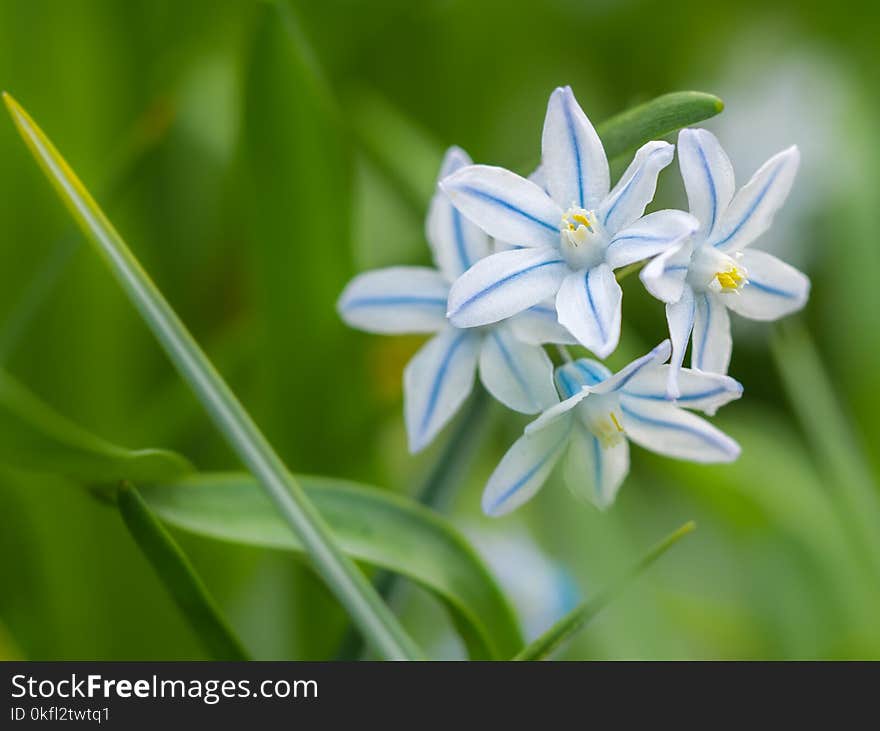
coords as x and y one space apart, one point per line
512 365
599 414
702 277
572 236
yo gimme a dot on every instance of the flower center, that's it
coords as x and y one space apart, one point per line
601 414
714 271
582 238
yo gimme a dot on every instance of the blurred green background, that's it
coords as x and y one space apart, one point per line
255 158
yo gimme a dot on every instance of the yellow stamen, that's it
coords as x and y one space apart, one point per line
616 422
731 280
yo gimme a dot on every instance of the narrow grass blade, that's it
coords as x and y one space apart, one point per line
830 435
656 118
179 577
573 622
382 630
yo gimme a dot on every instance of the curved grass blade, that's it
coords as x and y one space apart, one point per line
34 437
573 622
179 577
376 621
370 525
656 118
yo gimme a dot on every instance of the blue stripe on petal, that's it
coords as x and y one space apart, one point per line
504 280
572 133
592 304
394 300
514 369
569 386
751 210
771 290
507 205
689 397
708 438
438 381
592 375
597 462
528 475
705 337
458 233
710 182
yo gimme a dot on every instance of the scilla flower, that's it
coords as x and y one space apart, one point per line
572 236
512 365
712 271
600 413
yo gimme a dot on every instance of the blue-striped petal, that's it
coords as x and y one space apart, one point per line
680 318
539 325
396 300
572 157
436 382
674 432
664 276
504 284
505 205
635 189
774 289
712 344
619 380
594 473
572 377
649 236
457 244
707 392
588 304
708 176
525 468
752 209
520 376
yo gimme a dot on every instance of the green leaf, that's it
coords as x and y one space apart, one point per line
371 525
376 621
179 577
656 118
34 437
578 618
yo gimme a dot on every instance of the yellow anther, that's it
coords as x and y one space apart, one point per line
616 422
730 280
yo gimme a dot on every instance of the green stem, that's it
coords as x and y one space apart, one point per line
378 624
179 577
573 622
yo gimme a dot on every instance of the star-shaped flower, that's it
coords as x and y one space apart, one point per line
572 236
512 365
599 414
704 276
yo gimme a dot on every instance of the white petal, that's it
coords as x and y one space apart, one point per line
525 468
649 236
539 325
557 411
396 300
592 472
666 429
572 157
539 178
457 243
520 376
664 276
619 380
635 190
572 377
680 318
436 382
707 174
774 289
505 283
697 390
712 342
588 304
504 205
752 209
